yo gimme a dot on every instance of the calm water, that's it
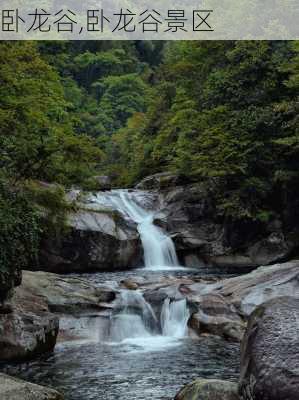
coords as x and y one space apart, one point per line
95 371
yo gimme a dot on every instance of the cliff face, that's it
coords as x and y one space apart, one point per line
188 212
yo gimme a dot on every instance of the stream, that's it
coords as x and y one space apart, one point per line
137 351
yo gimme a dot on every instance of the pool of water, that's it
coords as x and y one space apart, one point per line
152 368
131 371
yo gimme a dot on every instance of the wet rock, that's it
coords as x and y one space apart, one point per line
16 389
209 389
28 330
66 294
216 316
270 352
129 284
98 240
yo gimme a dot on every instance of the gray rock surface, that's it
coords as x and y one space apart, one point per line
16 389
189 214
209 389
248 291
98 239
66 294
216 316
223 307
270 352
29 329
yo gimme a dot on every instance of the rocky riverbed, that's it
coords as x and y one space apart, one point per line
193 315
219 313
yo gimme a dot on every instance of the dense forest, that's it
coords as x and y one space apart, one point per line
221 111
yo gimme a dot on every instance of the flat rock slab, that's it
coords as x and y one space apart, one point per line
66 294
16 389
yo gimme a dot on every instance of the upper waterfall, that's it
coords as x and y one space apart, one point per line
158 248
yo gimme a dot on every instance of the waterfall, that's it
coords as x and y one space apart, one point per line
174 318
134 317
135 322
158 248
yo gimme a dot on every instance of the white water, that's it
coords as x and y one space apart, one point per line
174 318
136 324
158 248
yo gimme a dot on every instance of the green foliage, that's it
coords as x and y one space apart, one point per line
51 206
225 110
19 234
37 138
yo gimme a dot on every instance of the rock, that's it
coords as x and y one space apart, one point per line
129 284
214 315
209 389
246 292
159 181
98 240
189 214
221 307
103 182
270 352
28 330
16 389
66 294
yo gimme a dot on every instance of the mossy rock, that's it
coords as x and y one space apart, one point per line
209 389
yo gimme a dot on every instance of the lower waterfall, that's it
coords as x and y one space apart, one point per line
174 318
134 320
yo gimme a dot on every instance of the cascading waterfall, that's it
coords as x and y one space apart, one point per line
135 318
135 321
158 248
174 318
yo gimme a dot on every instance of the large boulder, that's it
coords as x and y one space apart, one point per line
222 307
66 294
97 240
189 213
270 352
209 389
247 292
17 389
28 329
216 316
